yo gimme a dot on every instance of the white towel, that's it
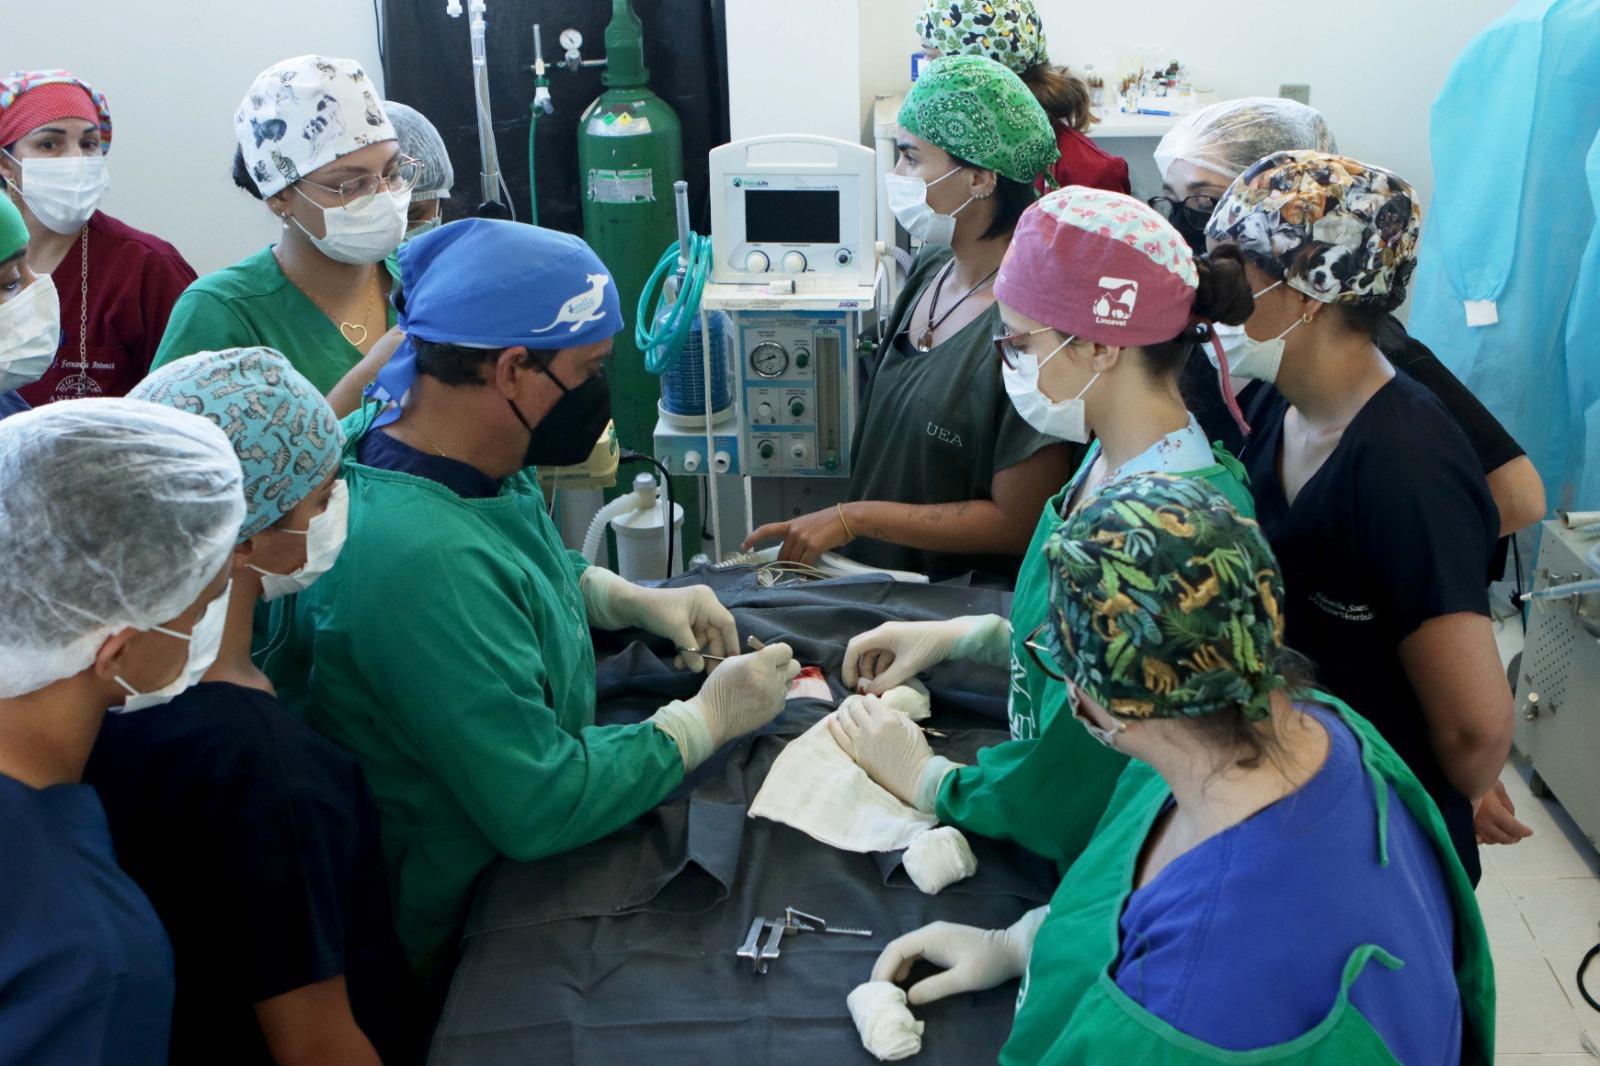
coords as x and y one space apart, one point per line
818 789
938 859
884 1021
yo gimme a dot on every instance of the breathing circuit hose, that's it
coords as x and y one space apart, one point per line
661 342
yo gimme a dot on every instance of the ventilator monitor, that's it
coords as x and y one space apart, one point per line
793 206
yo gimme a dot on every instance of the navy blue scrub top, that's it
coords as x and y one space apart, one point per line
85 967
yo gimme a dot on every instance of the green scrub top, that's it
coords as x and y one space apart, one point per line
449 650
1070 1010
254 303
1045 788
935 427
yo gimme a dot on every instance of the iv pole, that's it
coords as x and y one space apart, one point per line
496 203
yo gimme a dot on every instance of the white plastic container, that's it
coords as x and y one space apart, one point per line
641 540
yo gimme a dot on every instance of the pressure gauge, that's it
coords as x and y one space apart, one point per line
769 359
571 40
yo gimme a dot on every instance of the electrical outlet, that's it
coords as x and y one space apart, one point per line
1298 93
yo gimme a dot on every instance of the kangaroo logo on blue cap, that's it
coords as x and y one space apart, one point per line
584 308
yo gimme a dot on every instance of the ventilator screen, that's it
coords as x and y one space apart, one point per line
791 217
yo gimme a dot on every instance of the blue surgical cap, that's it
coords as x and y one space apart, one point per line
488 283
285 435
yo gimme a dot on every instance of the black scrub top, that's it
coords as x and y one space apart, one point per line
85 968
934 427
1493 446
257 840
1396 528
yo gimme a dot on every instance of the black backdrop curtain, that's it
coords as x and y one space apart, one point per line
428 64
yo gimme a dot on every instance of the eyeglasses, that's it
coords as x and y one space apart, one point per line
1040 652
1005 345
357 193
1196 210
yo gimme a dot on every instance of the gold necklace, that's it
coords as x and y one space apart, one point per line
348 330
427 438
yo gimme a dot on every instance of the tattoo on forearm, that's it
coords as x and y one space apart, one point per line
932 514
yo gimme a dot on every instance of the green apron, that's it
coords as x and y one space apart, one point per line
1070 1010
1059 773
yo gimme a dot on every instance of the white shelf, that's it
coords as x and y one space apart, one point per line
1117 124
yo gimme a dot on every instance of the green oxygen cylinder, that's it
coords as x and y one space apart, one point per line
630 151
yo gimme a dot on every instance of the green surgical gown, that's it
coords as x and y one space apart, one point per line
1046 787
449 650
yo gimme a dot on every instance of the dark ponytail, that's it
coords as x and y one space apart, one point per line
1223 295
1062 94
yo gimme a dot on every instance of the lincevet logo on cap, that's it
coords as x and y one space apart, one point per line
583 308
1115 302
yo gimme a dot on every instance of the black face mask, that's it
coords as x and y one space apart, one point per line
1194 235
567 434
1189 221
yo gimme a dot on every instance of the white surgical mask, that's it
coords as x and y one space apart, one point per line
1107 737
63 192
424 227
325 535
908 199
30 333
363 237
1067 420
1250 359
205 640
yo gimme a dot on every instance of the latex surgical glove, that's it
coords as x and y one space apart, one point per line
742 695
895 652
1495 818
690 617
891 748
973 959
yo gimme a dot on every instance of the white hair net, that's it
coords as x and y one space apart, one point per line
1230 136
114 513
421 141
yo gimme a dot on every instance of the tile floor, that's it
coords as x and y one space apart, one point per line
1541 905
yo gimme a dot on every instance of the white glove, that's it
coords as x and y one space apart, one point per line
973 959
891 748
690 617
895 652
743 694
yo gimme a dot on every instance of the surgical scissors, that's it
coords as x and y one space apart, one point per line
754 643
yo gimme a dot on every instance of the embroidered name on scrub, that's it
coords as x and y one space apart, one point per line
1349 612
945 436
1019 708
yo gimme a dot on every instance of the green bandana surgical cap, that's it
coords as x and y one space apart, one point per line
980 112
1165 603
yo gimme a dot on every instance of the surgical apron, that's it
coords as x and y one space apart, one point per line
1070 1010
1510 220
450 651
1046 788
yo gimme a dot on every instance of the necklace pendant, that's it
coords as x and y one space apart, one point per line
925 342
354 332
